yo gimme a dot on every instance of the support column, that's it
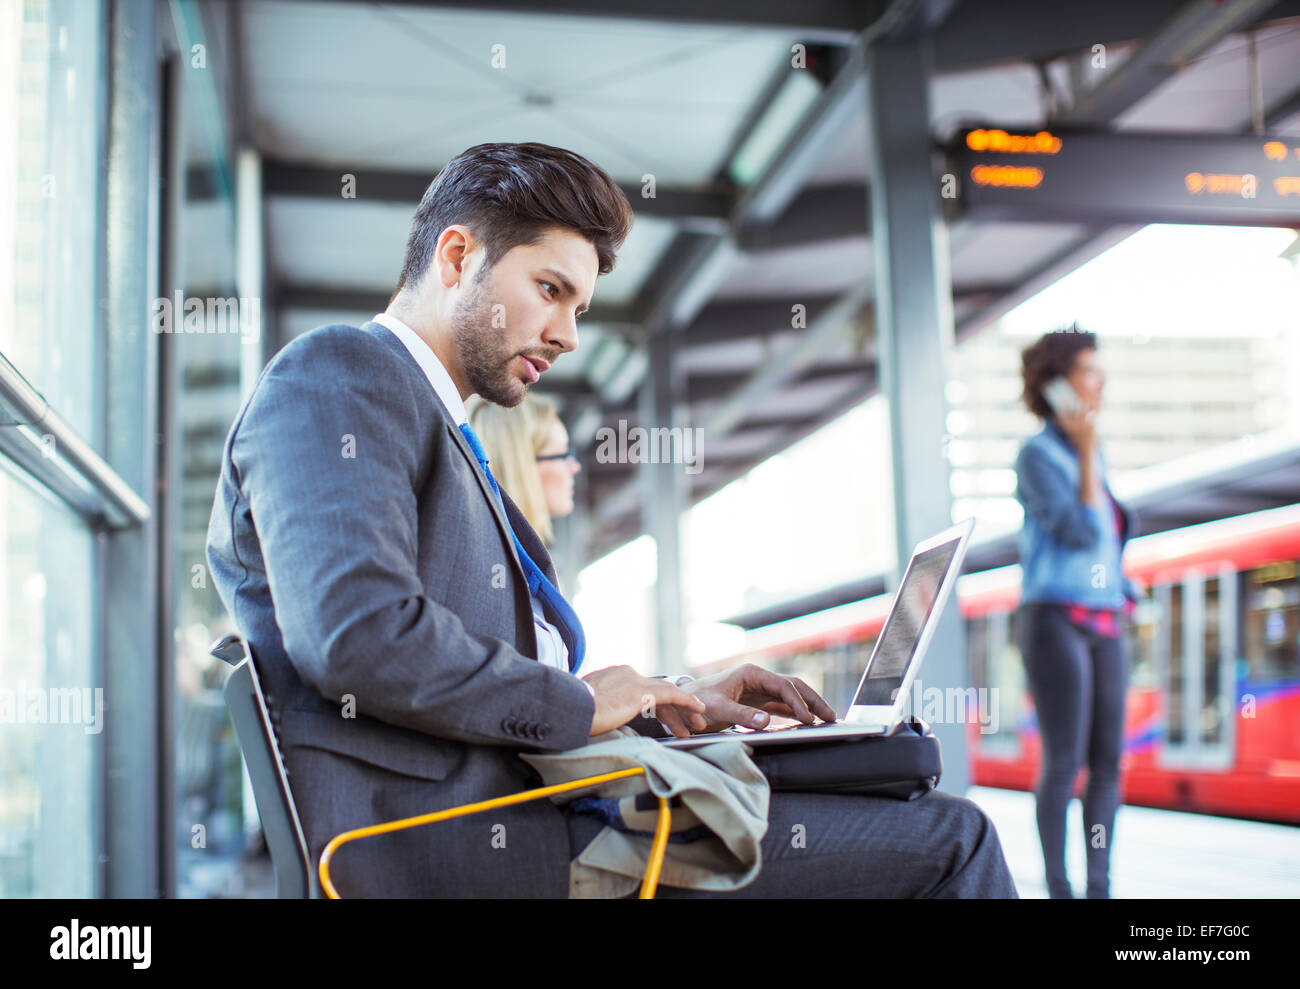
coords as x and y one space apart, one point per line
663 498
915 325
257 348
134 835
254 351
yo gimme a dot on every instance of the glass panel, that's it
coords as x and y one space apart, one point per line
209 773
52 711
51 54
206 327
1177 663
1272 610
51 58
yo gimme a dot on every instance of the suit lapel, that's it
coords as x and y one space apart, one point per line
532 542
512 519
457 438
502 523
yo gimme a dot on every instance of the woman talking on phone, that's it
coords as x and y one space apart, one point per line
1075 600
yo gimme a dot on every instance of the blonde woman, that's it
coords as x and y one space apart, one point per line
528 448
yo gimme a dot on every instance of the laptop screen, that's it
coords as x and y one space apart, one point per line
898 640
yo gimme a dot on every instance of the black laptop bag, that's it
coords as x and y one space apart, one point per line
904 764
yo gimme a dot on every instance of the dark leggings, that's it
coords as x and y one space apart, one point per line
1078 680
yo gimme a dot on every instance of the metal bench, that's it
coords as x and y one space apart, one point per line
254 720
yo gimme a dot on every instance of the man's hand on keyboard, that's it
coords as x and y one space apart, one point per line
622 694
749 695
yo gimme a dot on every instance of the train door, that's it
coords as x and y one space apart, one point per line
1197 655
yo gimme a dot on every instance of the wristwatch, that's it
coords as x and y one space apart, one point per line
677 681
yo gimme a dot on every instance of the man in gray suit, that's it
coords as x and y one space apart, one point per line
404 613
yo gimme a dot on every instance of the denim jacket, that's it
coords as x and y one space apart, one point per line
1069 551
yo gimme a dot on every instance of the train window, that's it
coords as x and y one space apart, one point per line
819 668
1006 676
860 661
1210 727
1142 633
1199 627
1174 698
787 665
977 636
1272 611
840 681
811 667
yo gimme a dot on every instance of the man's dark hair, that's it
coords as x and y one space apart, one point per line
511 194
1051 354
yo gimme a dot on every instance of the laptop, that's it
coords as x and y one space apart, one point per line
886 683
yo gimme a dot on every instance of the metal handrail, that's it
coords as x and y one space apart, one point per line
76 473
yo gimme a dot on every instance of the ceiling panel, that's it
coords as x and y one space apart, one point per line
411 87
819 269
349 243
1006 253
296 322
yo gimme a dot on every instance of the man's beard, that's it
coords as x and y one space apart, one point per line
484 360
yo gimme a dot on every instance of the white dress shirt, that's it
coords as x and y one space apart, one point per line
551 649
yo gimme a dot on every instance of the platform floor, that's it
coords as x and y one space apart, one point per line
1158 854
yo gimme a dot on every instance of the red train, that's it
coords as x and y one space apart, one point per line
1213 713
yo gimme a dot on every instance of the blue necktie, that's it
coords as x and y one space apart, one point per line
557 610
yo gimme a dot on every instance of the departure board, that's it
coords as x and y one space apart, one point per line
1009 174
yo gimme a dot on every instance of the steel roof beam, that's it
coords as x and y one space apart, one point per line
1193 29
828 20
705 208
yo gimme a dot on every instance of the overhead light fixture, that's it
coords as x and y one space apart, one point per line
790 105
616 389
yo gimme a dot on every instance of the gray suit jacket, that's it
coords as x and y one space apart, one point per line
362 555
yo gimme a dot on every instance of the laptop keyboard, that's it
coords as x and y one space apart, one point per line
737 730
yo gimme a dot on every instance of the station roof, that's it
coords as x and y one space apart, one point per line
761 173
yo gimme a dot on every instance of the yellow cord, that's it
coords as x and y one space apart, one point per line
657 848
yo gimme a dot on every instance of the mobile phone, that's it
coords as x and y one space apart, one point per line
1060 396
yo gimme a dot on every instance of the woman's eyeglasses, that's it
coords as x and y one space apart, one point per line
566 455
